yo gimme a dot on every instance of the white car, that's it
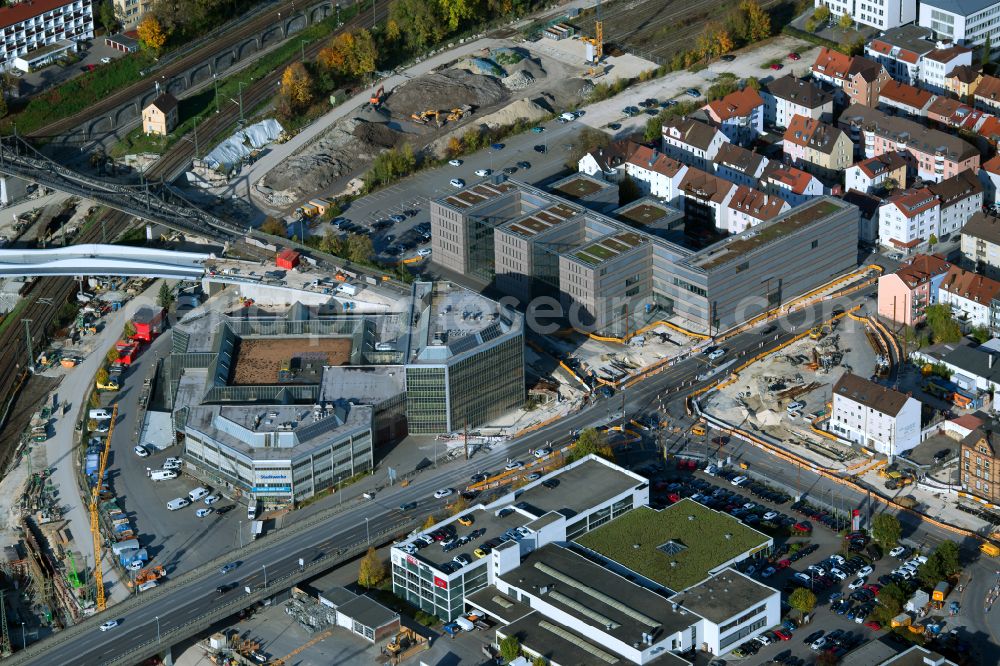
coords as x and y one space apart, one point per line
516 464
717 353
897 551
838 559
455 162
816 569
858 583
141 451
457 182
865 571
105 60
737 480
424 252
762 639
110 624
211 499
443 492
838 574
795 406
542 452
818 643
770 515
483 172
172 461
920 559
201 513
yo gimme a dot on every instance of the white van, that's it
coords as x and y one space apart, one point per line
198 493
252 510
99 414
568 116
148 585
162 475
177 503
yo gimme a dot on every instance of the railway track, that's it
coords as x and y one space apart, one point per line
199 55
47 295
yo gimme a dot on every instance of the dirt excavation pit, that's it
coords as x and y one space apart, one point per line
260 362
445 90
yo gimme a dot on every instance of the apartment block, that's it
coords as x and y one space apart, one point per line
692 142
35 33
935 155
739 165
875 417
705 199
739 115
903 296
989 178
907 220
872 174
818 148
856 80
970 296
131 12
939 64
979 462
961 197
793 185
787 97
881 14
981 243
656 174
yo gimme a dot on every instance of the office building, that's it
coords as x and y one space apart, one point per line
881 14
877 418
965 22
900 51
38 32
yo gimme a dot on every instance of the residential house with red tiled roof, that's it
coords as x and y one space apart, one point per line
749 207
953 113
970 296
903 296
857 80
871 174
655 173
787 97
739 165
692 142
936 65
989 129
740 115
705 198
963 82
896 97
908 219
961 197
899 50
987 95
607 162
818 148
790 183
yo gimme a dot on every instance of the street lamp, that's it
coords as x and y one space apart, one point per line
157 618
24 638
368 535
215 80
264 567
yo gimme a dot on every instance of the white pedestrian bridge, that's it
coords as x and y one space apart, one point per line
97 259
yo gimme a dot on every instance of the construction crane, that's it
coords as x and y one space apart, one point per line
597 42
95 527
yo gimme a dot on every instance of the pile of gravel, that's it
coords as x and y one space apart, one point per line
519 80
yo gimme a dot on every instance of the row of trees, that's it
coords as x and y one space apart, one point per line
822 15
419 24
746 24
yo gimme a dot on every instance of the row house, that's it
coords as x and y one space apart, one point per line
749 207
900 51
739 165
34 33
989 178
902 98
857 80
908 219
981 243
970 296
705 198
655 173
987 95
939 63
739 115
871 174
989 129
935 155
905 295
818 148
868 205
961 197
692 142
879 14
787 97
963 81
607 162
791 184
953 113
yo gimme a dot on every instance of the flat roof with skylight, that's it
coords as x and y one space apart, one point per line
608 248
540 221
676 547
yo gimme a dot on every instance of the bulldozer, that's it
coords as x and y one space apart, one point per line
405 643
818 333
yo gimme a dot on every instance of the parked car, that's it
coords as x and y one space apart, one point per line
455 162
483 172
443 492
692 92
457 182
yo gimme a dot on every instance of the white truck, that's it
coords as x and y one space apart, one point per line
256 529
345 288
99 414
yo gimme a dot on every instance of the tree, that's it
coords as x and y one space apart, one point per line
454 148
3 105
987 50
845 21
456 11
106 15
981 334
297 86
942 564
802 600
102 376
510 648
331 244
539 661
758 21
128 330
889 184
274 227
752 82
165 297
628 191
152 34
943 327
359 248
458 506
371 571
591 441
886 529
724 42
654 129
822 14
429 523
933 240
420 22
111 356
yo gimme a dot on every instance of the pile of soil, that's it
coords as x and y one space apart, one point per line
445 90
347 148
531 110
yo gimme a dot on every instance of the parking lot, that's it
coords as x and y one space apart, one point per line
845 574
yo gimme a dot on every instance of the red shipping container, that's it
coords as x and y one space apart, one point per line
287 259
148 323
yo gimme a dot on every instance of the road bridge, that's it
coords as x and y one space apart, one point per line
96 259
156 202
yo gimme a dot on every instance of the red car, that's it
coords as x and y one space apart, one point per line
794 56
777 65
873 625
873 588
783 634
784 564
